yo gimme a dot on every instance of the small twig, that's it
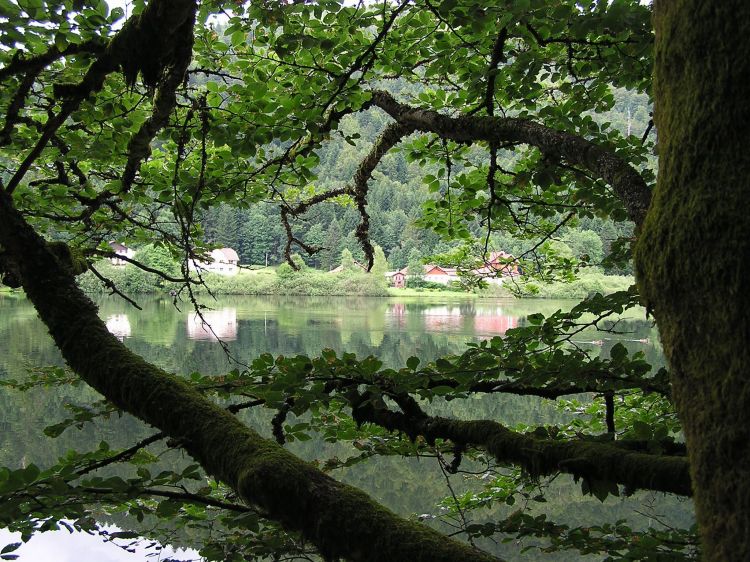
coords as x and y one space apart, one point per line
464 523
112 287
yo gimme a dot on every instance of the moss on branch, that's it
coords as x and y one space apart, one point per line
340 520
624 179
584 459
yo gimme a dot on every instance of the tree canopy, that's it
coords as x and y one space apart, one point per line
133 127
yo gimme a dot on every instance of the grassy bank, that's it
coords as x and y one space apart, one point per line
310 282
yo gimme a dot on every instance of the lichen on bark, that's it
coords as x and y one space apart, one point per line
692 255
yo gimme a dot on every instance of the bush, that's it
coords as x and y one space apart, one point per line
130 279
127 278
419 282
589 281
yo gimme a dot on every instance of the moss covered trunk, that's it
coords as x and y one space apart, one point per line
338 519
693 257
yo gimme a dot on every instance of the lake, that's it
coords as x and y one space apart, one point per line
389 328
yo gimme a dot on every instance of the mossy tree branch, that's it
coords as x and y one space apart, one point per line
338 519
596 461
626 182
154 44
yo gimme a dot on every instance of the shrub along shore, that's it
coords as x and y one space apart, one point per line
285 281
268 281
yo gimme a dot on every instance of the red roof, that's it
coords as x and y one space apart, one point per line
434 270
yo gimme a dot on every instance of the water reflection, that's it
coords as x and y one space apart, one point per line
493 322
119 326
391 330
476 320
464 319
215 325
442 318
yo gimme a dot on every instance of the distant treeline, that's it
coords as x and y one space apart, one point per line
395 200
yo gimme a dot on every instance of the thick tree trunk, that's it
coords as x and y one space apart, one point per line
693 255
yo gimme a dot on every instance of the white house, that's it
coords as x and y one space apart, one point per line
120 250
224 261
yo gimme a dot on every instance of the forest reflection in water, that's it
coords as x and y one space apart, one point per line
391 329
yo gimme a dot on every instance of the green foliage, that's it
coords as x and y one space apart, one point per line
587 282
347 262
285 281
129 278
286 272
415 266
585 245
379 264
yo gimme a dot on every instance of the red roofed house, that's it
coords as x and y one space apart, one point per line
504 262
438 274
397 278
431 272
497 266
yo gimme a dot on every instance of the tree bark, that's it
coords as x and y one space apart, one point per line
590 460
692 255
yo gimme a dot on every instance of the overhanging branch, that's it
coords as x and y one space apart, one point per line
627 183
390 137
146 44
597 461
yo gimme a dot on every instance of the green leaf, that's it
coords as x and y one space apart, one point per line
535 319
31 473
61 42
124 535
168 508
618 352
238 38
642 430
443 364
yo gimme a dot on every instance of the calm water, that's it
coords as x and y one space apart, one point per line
391 329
